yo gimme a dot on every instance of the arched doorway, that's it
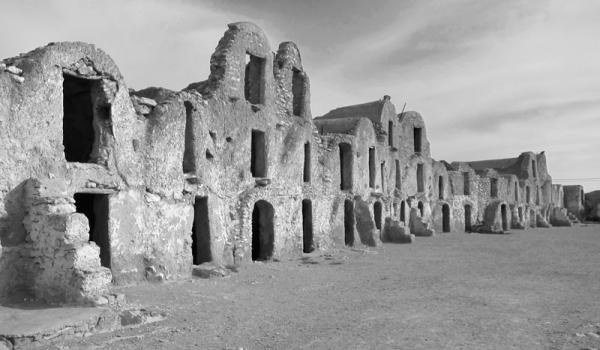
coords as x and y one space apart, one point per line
467 218
445 218
421 208
263 233
520 211
377 212
504 214
532 218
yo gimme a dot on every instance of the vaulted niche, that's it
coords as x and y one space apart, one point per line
254 79
345 166
298 92
417 135
86 116
258 154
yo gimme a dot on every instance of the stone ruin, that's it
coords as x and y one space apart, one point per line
104 185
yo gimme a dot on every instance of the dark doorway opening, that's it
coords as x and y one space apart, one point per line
420 178
372 167
254 79
417 134
201 251
306 174
349 222
258 156
307 226
532 218
263 231
95 208
78 119
468 218
504 214
398 175
421 208
445 218
297 92
378 213
189 157
441 187
345 166
403 211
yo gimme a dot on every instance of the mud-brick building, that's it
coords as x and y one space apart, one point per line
101 184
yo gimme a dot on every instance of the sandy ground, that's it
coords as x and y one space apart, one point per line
534 289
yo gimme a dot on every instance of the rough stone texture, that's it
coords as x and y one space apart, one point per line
395 232
229 170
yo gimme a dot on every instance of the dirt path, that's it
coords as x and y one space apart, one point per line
535 289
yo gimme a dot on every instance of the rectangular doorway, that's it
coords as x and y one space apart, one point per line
201 251
95 207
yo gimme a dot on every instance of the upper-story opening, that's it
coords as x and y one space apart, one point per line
345 166
441 187
494 188
417 136
533 169
466 184
189 157
298 92
254 79
86 116
372 167
391 133
258 157
420 178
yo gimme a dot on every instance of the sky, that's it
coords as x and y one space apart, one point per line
491 78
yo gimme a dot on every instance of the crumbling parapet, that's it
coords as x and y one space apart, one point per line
66 264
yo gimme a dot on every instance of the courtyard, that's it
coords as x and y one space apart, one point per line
532 289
